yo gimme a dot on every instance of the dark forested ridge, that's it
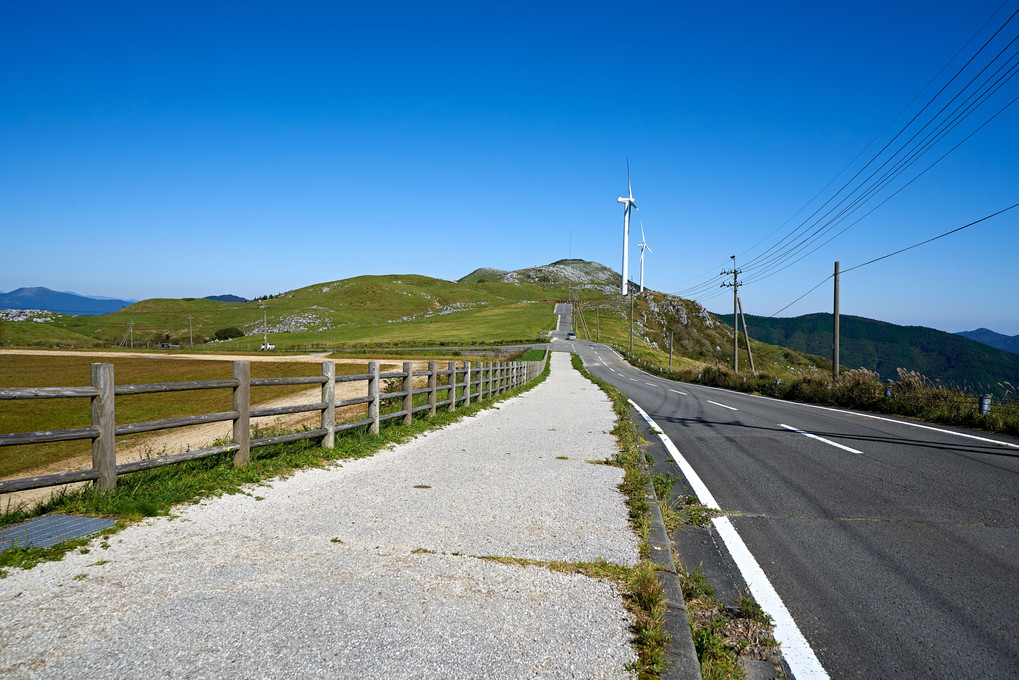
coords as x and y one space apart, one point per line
1009 343
885 347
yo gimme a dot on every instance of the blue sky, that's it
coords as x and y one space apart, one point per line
191 149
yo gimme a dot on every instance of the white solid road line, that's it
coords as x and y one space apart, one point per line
820 439
678 392
795 648
722 405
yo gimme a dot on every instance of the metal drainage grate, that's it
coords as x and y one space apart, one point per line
48 530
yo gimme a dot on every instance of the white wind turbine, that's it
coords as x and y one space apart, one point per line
628 203
643 246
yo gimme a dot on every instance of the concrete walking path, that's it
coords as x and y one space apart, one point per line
365 569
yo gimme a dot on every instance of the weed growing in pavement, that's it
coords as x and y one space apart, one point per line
663 484
671 520
691 511
724 635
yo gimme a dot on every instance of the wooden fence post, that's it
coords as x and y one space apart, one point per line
329 412
408 389
467 384
373 393
452 385
432 383
104 419
242 404
481 381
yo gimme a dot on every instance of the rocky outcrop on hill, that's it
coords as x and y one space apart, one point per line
574 273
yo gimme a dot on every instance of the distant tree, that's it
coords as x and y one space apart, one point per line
228 333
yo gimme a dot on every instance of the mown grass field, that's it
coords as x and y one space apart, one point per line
506 324
34 415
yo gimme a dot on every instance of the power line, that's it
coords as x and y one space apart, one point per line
917 245
797 238
901 250
786 265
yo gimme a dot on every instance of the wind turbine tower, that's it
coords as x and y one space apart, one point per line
627 203
643 246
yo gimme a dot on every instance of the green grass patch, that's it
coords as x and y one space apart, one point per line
532 355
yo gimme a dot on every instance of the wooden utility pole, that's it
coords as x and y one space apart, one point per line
191 333
735 311
672 337
597 323
835 330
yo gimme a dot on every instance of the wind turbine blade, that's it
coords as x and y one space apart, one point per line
649 249
642 231
628 187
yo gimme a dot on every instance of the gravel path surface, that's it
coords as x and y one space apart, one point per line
352 572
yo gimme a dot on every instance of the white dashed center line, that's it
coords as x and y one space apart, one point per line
722 405
820 439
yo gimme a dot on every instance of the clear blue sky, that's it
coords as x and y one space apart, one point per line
190 149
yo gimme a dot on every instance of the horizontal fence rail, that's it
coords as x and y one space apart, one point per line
459 387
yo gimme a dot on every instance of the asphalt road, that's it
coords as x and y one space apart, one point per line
894 547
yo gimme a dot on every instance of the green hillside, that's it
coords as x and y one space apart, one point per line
365 310
886 347
699 338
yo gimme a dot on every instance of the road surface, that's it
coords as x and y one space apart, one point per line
895 547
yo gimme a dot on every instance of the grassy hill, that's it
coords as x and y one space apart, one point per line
366 310
886 347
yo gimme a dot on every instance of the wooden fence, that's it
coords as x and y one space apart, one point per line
462 385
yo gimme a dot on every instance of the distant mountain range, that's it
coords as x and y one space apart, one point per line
1009 343
885 347
63 302
60 302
